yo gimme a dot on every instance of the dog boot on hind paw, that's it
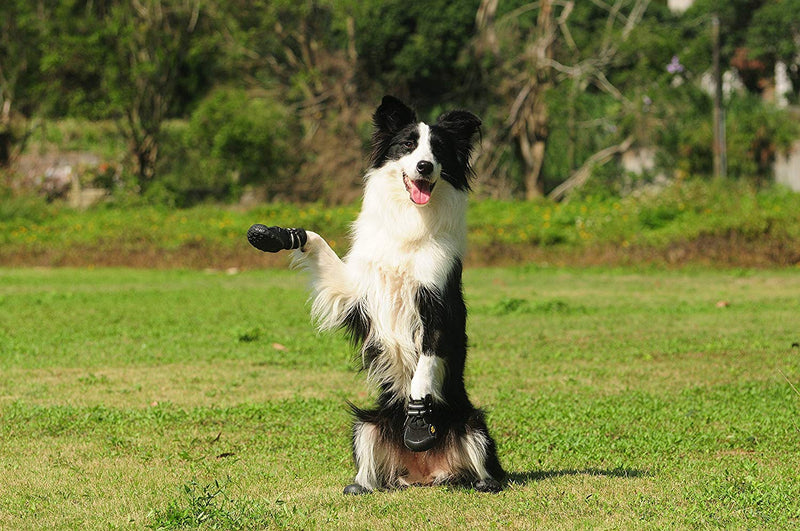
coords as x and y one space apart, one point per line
419 432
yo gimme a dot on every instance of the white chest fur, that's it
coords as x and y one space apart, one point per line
388 285
397 250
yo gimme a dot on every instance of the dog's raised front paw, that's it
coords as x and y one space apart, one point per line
274 239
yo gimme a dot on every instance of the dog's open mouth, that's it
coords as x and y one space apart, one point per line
419 190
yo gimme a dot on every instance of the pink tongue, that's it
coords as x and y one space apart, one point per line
420 192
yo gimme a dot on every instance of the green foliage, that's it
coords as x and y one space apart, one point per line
689 211
735 17
755 132
21 86
111 59
21 48
161 69
414 52
774 35
232 140
99 137
773 31
755 34
205 505
25 209
592 124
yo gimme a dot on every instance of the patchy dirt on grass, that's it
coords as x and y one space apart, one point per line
725 250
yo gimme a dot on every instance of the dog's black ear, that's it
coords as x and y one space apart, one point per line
390 117
463 125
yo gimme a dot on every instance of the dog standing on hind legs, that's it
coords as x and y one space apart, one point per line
398 294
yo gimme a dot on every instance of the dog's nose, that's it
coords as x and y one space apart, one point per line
425 167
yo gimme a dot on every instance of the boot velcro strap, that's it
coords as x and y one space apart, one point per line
418 408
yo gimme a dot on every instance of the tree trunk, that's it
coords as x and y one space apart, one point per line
5 148
532 135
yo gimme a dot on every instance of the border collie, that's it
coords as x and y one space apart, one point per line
398 294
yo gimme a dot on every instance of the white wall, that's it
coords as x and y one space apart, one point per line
787 167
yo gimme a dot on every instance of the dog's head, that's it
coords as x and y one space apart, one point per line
424 155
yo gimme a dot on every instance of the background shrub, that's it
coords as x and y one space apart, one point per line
232 140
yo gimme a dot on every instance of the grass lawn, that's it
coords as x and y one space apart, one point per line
619 398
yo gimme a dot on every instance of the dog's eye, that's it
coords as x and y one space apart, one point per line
408 144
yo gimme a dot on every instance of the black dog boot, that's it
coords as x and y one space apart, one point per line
274 239
420 433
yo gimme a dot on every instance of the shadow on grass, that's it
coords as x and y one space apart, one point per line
523 478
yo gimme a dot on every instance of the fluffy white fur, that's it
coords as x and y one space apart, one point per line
397 247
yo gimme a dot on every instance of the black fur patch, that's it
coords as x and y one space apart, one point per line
391 117
452 144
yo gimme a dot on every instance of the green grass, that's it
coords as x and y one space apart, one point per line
619 398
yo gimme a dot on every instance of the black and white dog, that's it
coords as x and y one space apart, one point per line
398 293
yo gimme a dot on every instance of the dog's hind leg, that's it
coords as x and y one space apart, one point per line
481 457
475 456
373 459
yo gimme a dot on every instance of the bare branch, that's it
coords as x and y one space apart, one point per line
562 24
195 16
603 83
636 15
513 114
484 21
582 174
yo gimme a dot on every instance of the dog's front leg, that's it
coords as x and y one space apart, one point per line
428 378
335 290
420 432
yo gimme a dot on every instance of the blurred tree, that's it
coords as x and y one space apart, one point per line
233 139
305 54
735 17
150 42
417 48
138 62
774 36
561 85
754 35
572 46
20 83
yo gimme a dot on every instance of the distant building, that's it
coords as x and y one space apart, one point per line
787 167
679 6
775 88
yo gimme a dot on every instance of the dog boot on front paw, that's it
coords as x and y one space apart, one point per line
419 432
274 239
